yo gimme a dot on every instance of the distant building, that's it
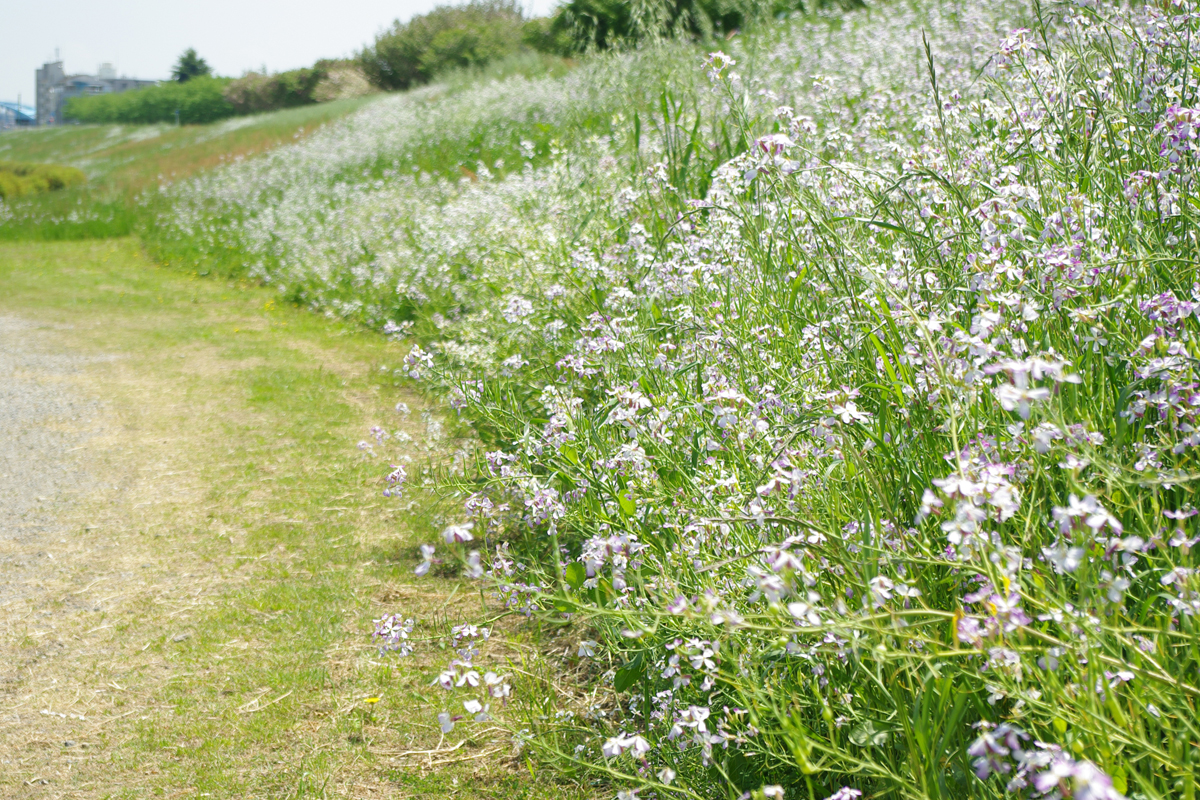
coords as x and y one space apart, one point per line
16 115
55 88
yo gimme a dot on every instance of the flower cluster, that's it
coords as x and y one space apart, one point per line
848 403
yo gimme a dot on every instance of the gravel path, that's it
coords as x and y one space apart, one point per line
42 421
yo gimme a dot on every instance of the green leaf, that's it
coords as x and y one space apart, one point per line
1118 779
628 507
575 575
570 453
867 734
628 675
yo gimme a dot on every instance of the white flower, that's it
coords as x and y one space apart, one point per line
849 413
804 614
1015 398
474 568
458 533
496 685
587 648
446 722
516 309
881 589
427 551
1064 559
619 744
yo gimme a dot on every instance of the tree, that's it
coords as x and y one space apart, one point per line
190 66
446 38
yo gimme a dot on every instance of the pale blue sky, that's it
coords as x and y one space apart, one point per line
143 38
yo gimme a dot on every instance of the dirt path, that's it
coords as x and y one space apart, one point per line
192 548
43 422
82 485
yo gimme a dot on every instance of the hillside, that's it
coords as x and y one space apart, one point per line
827 400
124 161
136 157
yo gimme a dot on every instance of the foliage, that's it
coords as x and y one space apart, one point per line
449 37
840 391
199 100
254 92
189 66
18 179
547 35
584 25
343 79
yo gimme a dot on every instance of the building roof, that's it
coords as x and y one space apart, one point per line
21 110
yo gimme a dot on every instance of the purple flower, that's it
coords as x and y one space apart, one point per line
1078 780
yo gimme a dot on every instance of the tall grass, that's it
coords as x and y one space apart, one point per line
837 395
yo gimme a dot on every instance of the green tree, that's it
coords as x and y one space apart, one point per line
190 66
448 37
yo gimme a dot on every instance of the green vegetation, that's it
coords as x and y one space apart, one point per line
124 162
833 393
327 80
18 179
585 25
190 65
255 92
199 100
449 37
834 390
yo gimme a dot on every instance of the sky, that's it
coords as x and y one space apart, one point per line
143 38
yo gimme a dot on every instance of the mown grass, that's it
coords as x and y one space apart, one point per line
253 679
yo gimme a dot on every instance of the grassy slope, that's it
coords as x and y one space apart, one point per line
122 161
241 521
135 157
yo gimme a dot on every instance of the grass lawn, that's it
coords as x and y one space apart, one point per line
216 638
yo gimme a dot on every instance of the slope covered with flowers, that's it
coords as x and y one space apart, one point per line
845 398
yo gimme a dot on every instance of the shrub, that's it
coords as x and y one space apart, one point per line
600 24
548 35
199 100
343 79
449 37
255 92
18 179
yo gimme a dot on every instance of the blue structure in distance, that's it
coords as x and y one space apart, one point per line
13 115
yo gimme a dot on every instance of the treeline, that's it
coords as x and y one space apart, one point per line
411 53
204 98
483 31
201 99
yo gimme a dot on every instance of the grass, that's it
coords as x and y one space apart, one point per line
247 547
137 157
124 161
